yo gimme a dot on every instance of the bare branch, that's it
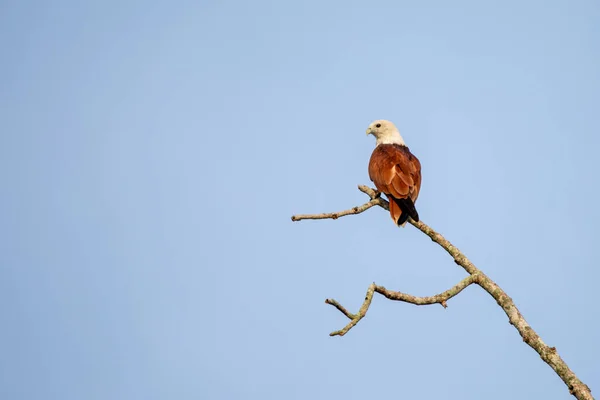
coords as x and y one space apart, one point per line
336 215
423 301
548 354
375 201
398 296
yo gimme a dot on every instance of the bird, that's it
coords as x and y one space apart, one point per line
395 171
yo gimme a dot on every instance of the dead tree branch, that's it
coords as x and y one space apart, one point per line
548 354
398 296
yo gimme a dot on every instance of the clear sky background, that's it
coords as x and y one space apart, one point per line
152 153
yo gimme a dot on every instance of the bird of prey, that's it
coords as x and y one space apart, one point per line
395 171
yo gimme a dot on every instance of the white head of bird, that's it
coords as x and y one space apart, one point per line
385 132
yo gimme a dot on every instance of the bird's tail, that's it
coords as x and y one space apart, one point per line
395 211
401 209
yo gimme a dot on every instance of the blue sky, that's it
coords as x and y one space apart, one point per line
152 153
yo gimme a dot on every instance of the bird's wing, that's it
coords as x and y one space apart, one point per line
395 171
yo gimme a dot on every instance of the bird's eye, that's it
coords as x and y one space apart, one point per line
378 126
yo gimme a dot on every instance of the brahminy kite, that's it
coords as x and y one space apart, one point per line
395 171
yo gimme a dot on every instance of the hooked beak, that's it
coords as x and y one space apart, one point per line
368 131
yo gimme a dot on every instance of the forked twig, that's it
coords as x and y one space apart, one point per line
398 296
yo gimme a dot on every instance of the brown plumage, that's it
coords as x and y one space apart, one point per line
395 171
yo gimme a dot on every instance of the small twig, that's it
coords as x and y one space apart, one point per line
341 308
354 319
548 354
